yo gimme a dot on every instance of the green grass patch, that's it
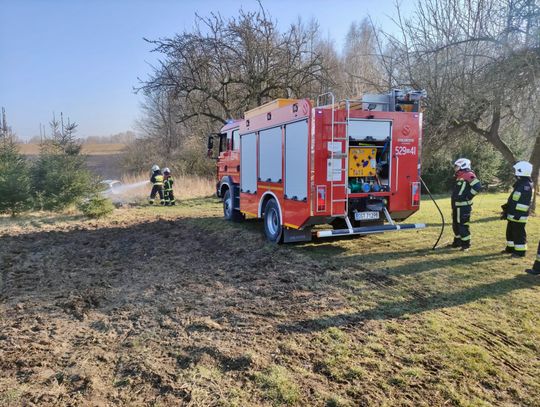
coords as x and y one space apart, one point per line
278 386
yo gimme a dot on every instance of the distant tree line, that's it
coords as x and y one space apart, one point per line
478 60
125 137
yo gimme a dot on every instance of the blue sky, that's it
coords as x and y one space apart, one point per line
83 58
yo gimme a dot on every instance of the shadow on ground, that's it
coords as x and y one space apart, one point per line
416 305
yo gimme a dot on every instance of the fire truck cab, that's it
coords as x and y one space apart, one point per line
353 165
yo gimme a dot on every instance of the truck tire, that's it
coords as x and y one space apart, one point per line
272 222
229 213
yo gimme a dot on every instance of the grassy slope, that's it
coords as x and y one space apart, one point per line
457 327
380 320
416 326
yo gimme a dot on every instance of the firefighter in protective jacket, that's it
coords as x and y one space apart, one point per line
168 182
157 185
467 186
517 208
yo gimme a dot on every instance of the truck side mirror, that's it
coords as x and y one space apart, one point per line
210 146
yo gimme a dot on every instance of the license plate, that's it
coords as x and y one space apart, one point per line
366 215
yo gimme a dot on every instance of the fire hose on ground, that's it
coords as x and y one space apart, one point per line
440 212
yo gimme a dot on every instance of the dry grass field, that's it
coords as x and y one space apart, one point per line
90 149
105 160
176 307
186 187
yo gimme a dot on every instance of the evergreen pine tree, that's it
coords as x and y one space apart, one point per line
60 177
14 174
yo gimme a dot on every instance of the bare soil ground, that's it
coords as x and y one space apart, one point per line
174 306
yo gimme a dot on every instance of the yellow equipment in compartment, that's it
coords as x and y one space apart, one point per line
362 161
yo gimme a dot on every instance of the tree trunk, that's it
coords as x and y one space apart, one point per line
535 161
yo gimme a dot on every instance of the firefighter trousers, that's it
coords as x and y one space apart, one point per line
461 216
157 189
516 238
169 197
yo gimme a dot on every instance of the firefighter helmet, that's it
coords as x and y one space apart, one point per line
463 164
523 169
166 170
155 167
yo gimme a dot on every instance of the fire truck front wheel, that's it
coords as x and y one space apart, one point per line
272 222
229 213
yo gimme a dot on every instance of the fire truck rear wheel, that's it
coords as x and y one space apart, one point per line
272 222
229 213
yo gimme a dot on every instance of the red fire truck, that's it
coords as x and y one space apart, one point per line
352 164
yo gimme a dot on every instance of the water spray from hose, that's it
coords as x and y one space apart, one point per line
122 193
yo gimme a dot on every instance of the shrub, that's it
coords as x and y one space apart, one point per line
189 158
96 207
141 155
487 163
60 180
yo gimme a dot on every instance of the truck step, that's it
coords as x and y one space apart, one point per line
368 230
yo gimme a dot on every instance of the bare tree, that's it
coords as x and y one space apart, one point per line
360 62
160 114
222 68
7 135
3 126
480 62
225 67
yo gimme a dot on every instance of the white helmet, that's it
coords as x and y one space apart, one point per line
463 163
155 167
166 169
523 169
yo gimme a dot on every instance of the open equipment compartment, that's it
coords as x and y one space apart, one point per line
369 155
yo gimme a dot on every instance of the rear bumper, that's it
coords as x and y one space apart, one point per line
367 230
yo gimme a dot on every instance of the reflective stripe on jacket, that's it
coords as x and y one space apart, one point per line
467 186
168 183
157 178
519 201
